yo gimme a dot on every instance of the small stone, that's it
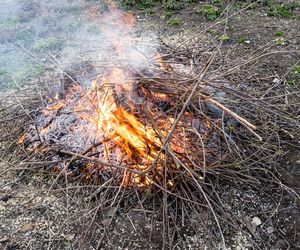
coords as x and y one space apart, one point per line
111 211
297 162
256 221
5 198
70 237
4 239
276 81
270 230
26 228
6 189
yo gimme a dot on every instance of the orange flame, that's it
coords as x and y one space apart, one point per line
133 136
114 122
98 106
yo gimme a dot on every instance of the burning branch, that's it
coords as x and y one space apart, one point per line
141 126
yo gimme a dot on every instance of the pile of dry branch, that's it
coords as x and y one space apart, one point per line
173 131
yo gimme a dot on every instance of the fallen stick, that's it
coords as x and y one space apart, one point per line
242 120
230 112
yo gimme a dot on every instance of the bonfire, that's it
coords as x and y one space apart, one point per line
140 120
152 123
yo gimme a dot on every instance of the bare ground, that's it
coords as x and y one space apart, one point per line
35 214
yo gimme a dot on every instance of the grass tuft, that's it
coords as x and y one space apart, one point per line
279 33
297 70
49 43
174 21
224 38
211 12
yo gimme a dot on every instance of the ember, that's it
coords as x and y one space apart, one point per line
170 135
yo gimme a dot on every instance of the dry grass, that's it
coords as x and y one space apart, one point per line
248 124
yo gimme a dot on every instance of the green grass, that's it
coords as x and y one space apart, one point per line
22 36
297 70
138 3
46 44
210 11
294 76
74 9
279 33
12 31
21 74
213 8
192 2
224 38
167 14
5 78
94 29
242 40
9 23
284 10
74 25
281 9
270 3
212 31
148 5
174 21
150 11
238 18
172 5
27 71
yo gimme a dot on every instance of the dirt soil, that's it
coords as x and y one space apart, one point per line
37 214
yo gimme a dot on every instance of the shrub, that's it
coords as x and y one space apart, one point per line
210 12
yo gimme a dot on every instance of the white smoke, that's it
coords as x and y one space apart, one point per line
35 34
